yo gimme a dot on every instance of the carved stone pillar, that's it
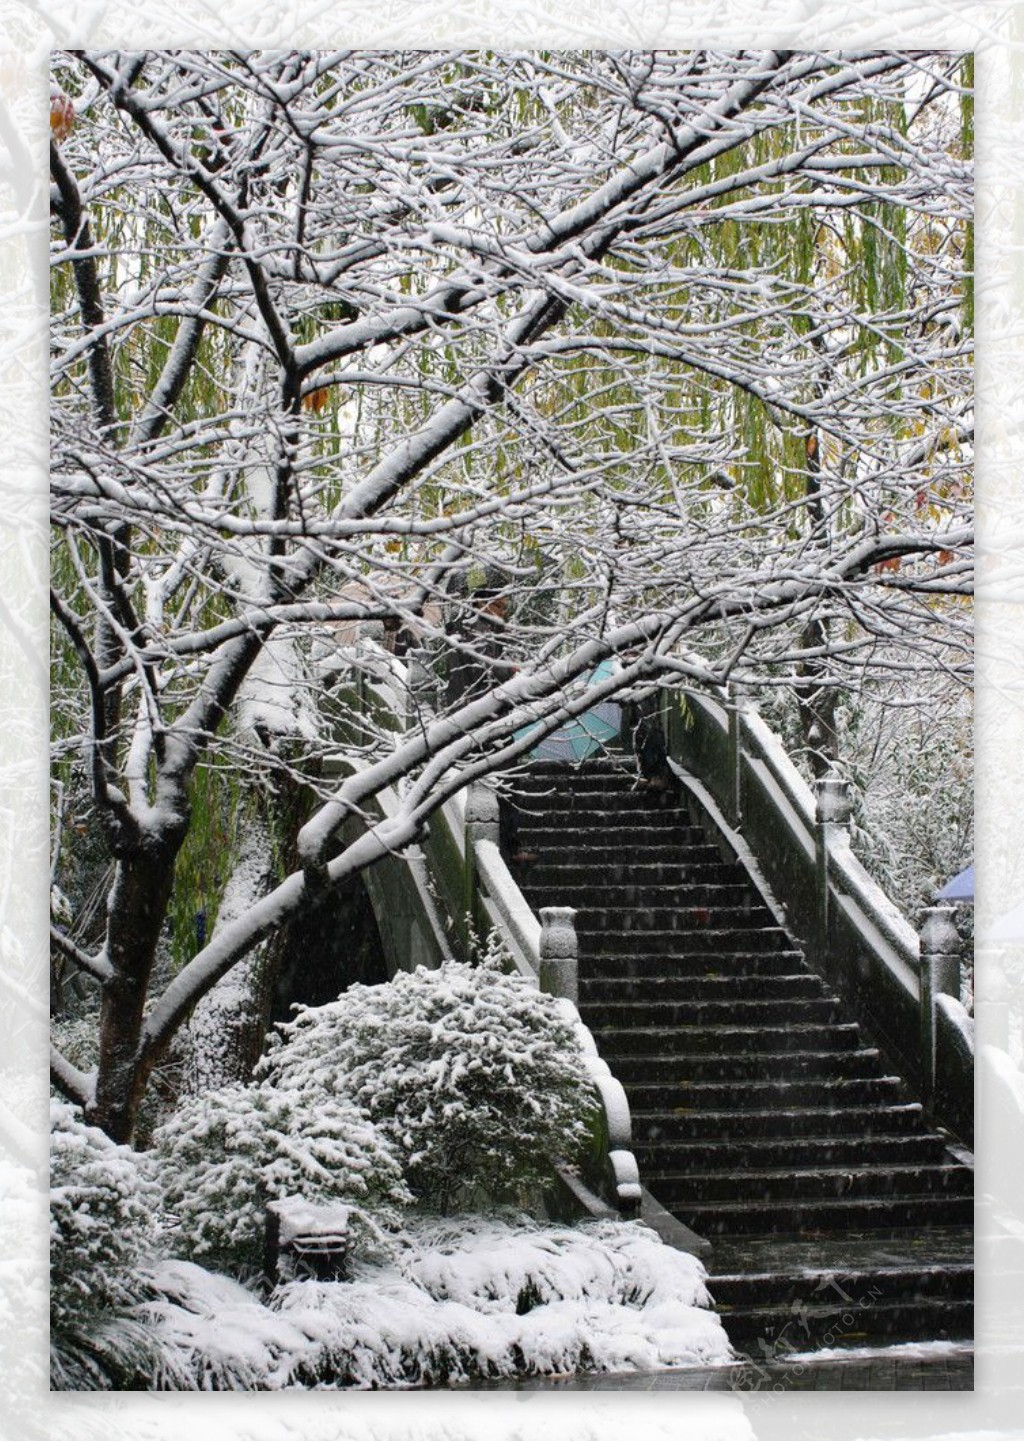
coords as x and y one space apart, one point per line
559 966
832 810
940 975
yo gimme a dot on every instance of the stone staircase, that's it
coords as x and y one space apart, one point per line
762 1119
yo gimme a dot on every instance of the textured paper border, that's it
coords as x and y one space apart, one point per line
27 33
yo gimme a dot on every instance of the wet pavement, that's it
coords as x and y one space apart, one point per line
896 1368
813 1254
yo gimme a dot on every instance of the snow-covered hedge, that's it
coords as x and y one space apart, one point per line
488 1297
226 1153
104 1226
474 1074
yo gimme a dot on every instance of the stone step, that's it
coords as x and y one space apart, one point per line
677 1066
593 774
624 895
556 869
602 920
942 1280
563 848
685 1016
689 1096
601 809
696 1002
775 1122
637 970
885 1180
603 828
612 996
724 1038
614 991
790 1217
707 939
751 1154
625 848
772 1332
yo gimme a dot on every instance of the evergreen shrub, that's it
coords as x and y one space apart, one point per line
475 1075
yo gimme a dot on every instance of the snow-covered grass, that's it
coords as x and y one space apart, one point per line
470 1298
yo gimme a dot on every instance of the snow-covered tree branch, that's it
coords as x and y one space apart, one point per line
672 350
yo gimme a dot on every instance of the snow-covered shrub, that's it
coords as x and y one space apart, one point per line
483 1297
503 1296
511 1263
104 1220
218 1335
226 1153
474 1074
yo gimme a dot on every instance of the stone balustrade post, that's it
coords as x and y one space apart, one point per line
940 975
481 814
559 966
482 824
833 807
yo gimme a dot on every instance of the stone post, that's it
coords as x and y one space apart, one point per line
559 967
481 814
940 975
833 807
482 824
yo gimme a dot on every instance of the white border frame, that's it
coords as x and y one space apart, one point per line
27 33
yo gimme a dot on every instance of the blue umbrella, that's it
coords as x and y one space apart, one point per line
960 888
583 735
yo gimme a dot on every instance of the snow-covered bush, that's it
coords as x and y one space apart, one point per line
104 1227
226 1153
495 1296
474 1074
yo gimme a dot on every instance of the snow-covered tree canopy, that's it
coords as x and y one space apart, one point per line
672 348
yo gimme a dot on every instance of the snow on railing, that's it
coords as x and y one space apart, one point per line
801 838
545 950
827 813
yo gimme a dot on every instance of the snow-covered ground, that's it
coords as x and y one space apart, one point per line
906 1350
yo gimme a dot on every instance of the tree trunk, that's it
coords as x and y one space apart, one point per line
137 909
229 1023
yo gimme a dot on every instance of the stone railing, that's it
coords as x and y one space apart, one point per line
905 987
456 886
468 864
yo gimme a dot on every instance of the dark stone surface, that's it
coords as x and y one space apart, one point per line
762 1118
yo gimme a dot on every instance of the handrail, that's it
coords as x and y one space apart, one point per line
848 925
847 876
538 953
